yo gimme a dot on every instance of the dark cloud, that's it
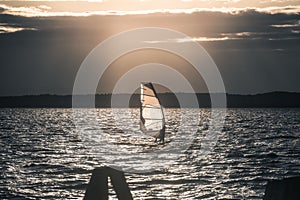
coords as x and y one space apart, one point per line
256 57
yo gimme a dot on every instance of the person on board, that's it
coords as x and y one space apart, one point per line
161 135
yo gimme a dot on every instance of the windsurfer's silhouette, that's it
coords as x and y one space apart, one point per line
161 135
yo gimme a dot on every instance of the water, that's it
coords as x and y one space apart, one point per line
42 156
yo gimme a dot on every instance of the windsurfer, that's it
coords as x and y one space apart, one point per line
161 135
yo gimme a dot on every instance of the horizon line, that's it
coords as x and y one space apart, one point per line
246 94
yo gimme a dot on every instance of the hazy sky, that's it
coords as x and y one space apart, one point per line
255 44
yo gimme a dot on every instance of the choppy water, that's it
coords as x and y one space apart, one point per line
42 156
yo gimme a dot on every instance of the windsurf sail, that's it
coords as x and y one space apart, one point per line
152 120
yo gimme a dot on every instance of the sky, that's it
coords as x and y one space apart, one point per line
254 43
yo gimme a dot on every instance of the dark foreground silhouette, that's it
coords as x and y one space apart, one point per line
286 189
98 186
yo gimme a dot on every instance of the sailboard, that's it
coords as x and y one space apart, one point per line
152 119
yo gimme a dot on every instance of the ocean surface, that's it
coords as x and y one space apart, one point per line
44 156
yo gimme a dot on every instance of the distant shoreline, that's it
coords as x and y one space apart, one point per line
168 100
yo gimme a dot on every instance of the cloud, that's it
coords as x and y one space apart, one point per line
271 36
290 25
295 31
280 10
187 39
5 28
203 39
46 11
